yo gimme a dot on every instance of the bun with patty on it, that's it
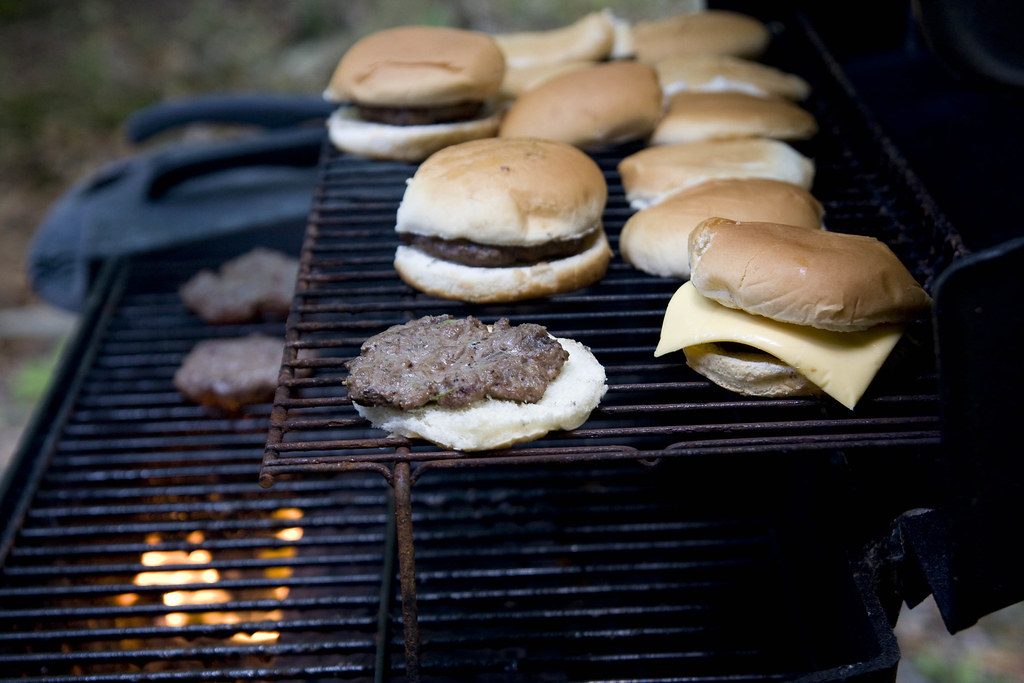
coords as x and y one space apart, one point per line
601 105
503 220
656 240
413 90
654 174
762 297
464 385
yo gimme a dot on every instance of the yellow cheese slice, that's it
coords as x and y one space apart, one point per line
841 363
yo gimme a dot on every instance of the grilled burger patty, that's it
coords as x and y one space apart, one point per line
492 256
420 116
454 362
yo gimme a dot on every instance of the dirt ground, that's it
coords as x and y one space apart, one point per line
72 72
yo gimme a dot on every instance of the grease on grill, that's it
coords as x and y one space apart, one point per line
257 283
454 362
420 116
470 253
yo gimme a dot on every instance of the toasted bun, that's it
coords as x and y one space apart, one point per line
656 240
418 66
751 373
827 280
351 134
450 280
713 32
507 192
520 79
492 423
588 39
652 174
697 116
722 73
600 105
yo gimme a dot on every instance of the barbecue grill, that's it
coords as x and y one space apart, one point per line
682 534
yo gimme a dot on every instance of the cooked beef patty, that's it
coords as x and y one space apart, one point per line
420 116
258 283
454 362
231 373
492 256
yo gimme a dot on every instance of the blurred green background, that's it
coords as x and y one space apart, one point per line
71 72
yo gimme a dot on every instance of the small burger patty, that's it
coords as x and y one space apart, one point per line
258 283
492 256
231 373
420 116
454 362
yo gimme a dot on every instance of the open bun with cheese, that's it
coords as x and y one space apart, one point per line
722 73
829 305
714 32
605 104
653 174
656 240
413 90
503 220
697 116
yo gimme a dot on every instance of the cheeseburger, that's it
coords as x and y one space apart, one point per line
414 90
778 310
502 220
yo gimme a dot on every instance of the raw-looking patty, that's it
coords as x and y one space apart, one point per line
258 283
454 362
420 116
491 256
231 373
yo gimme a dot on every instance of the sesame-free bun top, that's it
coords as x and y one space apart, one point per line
652 174
722 73
829 280
599 105
656 240
588 39
506 192
714 32
418 66
520 79
696 116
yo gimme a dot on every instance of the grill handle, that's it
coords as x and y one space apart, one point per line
265 111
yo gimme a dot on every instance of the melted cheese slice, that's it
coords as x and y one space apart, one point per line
841 363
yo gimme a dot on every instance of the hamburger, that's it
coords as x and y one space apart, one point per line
714 32
605 104
414 90
462 384
698 116
777 310
503 220
656 240
722 73
653 174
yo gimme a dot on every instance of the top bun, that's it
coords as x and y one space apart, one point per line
696 116
599 105
827 280
588 39
418 66
506 192
722 73
520 79
714 32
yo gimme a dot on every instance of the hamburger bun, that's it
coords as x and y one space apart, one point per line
520 79
351 134
418 66
589 39
714 32
722 73
492 423
656 240
698 116
653 174
600 105
751 373
831 281
504 193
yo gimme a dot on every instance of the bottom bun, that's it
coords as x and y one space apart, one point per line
477 284
750 373
351 134
493 423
